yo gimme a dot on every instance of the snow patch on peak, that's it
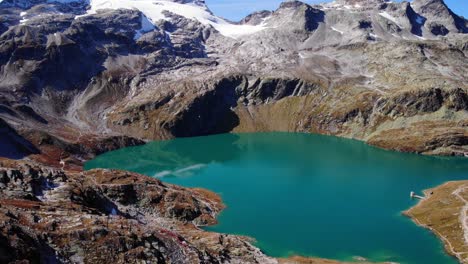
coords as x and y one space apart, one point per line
337 30
195 9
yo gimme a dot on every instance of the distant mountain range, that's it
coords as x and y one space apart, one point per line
390 74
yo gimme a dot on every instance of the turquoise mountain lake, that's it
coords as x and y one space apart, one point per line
304 194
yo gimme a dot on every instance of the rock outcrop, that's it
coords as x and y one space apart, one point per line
440 19
53 216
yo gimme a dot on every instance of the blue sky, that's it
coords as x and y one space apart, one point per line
236 10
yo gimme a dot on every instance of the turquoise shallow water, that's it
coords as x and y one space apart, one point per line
304 194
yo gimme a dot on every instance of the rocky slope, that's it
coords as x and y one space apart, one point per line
391 74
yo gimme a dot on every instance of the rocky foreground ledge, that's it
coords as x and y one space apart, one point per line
444 211
48 215
103 216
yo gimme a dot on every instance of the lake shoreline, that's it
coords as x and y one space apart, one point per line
207 194
227 151
65 211
447 225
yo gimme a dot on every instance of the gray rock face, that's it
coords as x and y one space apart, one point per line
255 18
441 20
115 72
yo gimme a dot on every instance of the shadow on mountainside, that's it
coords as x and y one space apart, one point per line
12 145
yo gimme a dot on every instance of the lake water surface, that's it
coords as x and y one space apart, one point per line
304 194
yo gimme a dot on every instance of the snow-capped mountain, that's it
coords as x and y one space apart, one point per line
421 18
152 10
196 10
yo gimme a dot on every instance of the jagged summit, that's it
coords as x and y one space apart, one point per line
256 18
441 20
433 8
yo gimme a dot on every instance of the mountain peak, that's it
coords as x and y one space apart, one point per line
434 7
429 2
190 9
443 19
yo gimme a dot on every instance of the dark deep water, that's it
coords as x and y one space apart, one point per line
304 194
